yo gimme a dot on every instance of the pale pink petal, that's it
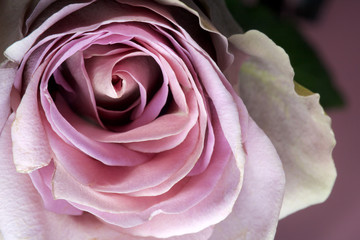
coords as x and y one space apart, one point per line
177 162
223 99
22 214
190 163
119 209
104 47
211 210
30 145
41 179
227 103
200 186
256 211
127 211
206 155
109 153
296 125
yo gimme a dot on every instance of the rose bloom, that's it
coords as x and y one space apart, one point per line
134 119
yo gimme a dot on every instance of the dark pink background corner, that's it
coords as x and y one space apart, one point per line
336 37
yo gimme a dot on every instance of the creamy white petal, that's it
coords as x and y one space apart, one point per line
296 125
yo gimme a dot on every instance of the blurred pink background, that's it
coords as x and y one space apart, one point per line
336 37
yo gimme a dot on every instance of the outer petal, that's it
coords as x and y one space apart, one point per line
22 214
296 125
31 149
255 214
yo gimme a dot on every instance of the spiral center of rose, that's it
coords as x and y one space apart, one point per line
117 82
122 82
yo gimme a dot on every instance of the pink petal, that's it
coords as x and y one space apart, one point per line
211 210
223 99
257 208
41 179
144 176
22 214
108 153
30 146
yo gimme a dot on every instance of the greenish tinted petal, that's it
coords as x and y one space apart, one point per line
296 125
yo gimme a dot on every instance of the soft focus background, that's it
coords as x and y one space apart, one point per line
336 37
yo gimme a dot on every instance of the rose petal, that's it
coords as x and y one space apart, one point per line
184 21
108 153
296 125
40 178
31 149
177 162
22 215
224 101
211 210
205 157
257 209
